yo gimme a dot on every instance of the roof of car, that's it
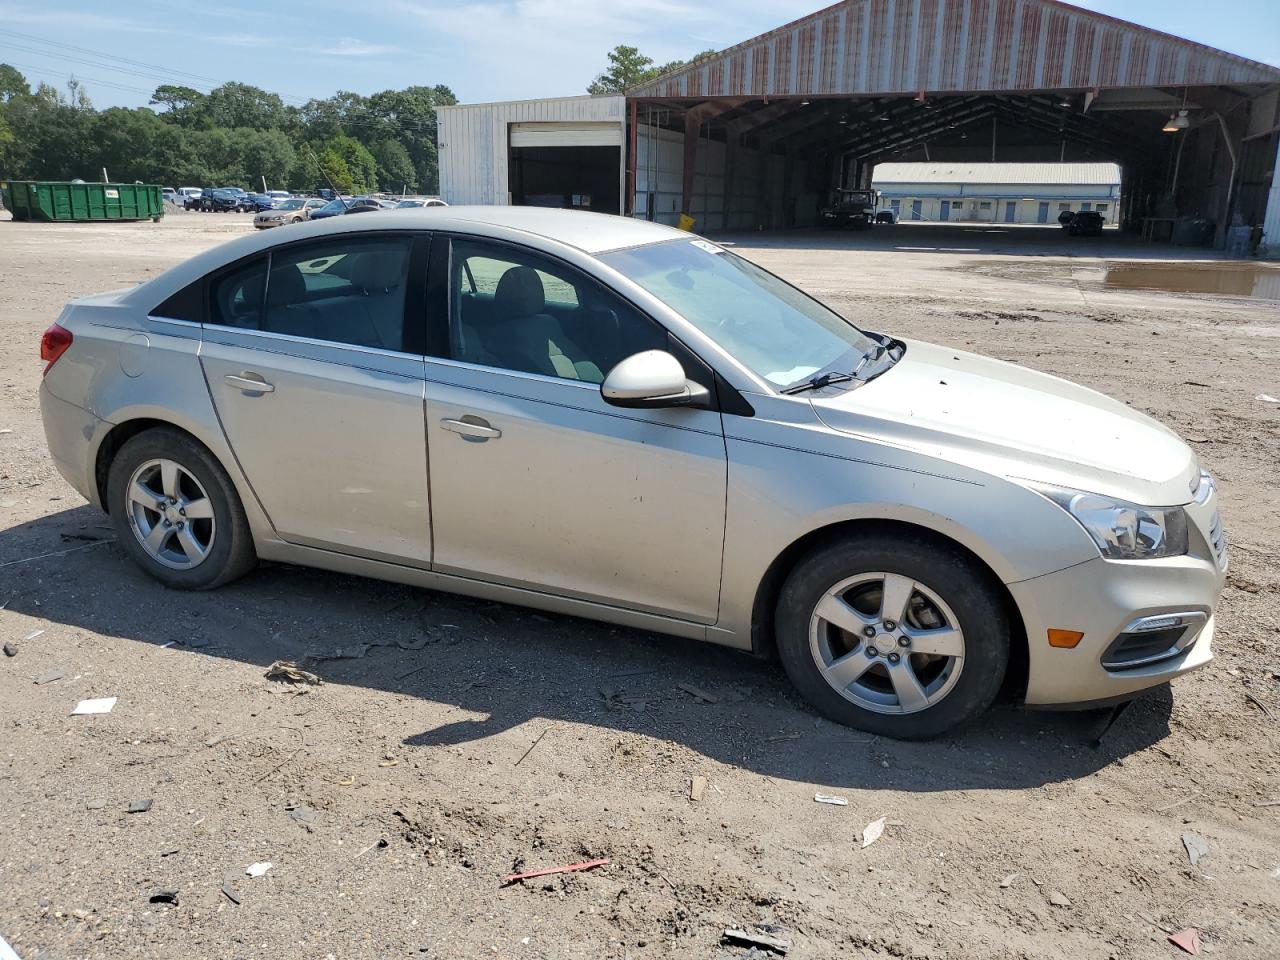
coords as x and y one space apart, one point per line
592 233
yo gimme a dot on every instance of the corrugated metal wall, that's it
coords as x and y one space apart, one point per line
1271 225
907 46
720 180
473 141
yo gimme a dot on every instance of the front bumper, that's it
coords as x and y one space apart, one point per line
1101 598
73 435
263 224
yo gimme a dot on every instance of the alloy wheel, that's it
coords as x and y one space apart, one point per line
171 514
887 643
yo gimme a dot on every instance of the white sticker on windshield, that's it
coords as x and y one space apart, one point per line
707 246
785 378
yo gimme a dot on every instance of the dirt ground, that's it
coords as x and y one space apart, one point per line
475 739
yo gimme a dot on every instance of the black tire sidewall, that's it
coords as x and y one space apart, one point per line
968 590
232 551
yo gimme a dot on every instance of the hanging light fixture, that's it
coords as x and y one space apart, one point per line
1177 122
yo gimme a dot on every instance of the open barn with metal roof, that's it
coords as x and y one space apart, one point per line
760 135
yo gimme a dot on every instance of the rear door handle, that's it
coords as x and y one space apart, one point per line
249 383
473 429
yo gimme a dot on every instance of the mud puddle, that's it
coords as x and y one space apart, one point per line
1231 279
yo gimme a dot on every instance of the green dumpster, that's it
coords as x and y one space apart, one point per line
48 201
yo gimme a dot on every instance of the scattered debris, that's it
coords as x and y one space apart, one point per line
304 814
258 869
389 762
167 644
1187 940
97 803
166 895
1058 899
219 738
872 832
50 675
531 746
1267 398
139 806
1177 803
87 707
7 952
699 694
1268 803
1197 847
697 787
761 940
568 868
380 845
827 798
290 672
169 852
1259 704
355 652
10 650
1007 882
32 635
1154 922
229 892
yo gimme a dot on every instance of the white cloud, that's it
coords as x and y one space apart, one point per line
351 47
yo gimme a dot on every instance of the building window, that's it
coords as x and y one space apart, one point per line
1101 208
986 204
1064 206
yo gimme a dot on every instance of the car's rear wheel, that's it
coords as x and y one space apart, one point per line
897 635
176 512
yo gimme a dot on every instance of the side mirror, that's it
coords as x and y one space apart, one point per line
651 380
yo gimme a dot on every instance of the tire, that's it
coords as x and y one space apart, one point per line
940 587
195 477
296 220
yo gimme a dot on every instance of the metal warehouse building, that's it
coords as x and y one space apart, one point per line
997 192
759 135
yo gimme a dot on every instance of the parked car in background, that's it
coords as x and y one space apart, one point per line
169 193
886 216
186 193
417 203
614 419
279 194
293 210
369 205
260 201
1086 223
220 200
334 208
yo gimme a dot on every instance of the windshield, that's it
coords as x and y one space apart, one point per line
777 332
290 205
406 204
334 205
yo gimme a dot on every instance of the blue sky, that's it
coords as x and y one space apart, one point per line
482 49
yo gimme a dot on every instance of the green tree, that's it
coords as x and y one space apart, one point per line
267 154
395 166
12 84
627 67
181 102
240 105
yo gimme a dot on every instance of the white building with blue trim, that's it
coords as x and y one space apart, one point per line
997 192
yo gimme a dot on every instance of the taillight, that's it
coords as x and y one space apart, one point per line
54 344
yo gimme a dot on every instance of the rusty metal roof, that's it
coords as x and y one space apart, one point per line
877 47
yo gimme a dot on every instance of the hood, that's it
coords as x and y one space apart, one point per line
1017 423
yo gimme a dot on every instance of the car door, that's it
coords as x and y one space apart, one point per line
313 356
535 480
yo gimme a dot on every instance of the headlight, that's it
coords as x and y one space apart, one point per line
1126 531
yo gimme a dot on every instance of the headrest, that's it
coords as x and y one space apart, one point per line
519 293
379 272
286 285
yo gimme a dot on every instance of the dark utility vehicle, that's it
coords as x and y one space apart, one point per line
852 208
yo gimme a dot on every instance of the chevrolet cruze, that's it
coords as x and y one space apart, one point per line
613 419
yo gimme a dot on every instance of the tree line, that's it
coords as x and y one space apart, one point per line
238 134
234 135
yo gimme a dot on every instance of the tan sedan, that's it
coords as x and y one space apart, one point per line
294 210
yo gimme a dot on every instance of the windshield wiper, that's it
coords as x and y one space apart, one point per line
818 382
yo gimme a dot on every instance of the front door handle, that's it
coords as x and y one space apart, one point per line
472 428
249 383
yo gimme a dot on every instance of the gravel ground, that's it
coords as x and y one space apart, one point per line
476 739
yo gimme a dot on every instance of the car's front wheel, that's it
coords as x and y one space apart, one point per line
177 513
896 635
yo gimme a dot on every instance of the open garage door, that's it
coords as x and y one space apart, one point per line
577 165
